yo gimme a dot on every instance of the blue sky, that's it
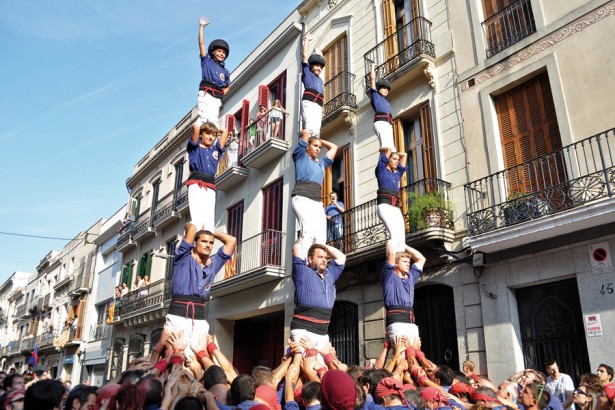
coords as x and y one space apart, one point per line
87 87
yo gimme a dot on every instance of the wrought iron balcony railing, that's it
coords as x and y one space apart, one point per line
21 310
509 26
163 208
46 339
139 300
259 251
363 228
569 177
144 221
339 93
181 197
400 49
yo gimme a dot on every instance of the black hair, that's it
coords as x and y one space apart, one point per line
310 392
131 376
444 373
262 375
80 392
214 375
151 388
8 382
414 397
44 395
243 388
373 377
189 403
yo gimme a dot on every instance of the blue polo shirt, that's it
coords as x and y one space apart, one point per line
307 169
310 289
189 278
311 80
395 290
204 159
379 103
214 72
386 178
334 213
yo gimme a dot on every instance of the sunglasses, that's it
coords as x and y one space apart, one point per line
579 391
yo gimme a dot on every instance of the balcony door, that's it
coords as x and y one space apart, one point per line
336 57
400 34
271 236
528 130
235 228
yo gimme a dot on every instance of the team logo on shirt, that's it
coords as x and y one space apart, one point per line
215 154
222 77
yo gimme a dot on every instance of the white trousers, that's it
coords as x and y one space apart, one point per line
393 220
232 157
319 341
312 221
396 330
384 132
192 330
202 205
208 108
311 113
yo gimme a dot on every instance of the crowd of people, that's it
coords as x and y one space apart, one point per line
197 376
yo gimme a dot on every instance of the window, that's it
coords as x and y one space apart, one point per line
155 193
271 239
529 129
127 271
179 176
117 357
144 267
136 346
338 178
234 228
170 248
506 23
154 339
135 205
397 15
277 91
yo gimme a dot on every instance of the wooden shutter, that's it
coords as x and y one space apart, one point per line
415 12
81 318
148 264
529 129
327 184
263 96
388 11
429 154
398 140
245 116
230 123
271 239
347 164
234 228
336 57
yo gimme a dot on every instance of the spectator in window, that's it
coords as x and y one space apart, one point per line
233 151
251 134
276 115
335 223
261 120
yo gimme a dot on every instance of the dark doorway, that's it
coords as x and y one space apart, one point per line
552 327
344 331
259 341
434 309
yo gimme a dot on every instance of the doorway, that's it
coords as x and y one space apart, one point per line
258 341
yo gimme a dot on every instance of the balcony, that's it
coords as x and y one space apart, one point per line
125 241
75 335
405 54
81 284
181 199
559 193
143 227
508 27
46 340
27 345
99 331
45 302
21 310
63 282
264 142
364 234
258 260
340 99
164 211
145 305
230 173
15 347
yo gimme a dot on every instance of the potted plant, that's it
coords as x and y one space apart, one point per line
427 210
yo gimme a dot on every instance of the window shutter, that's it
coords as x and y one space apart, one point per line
398 140
235 226
245 116
429 154
148 263
271 238
230 123
390 45
348 183
263 95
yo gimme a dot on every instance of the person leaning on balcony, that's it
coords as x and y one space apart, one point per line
335 223
194 270
314 90
389 171
314 291
306 196
275 118
397 279
204 153
215 78
383 113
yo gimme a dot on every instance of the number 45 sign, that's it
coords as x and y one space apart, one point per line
600 256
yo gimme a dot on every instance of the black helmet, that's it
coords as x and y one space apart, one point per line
316 59
383 83
217 43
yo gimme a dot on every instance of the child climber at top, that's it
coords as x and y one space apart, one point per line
314 91
215 78
383 113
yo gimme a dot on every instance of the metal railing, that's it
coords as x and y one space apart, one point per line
363 228
400 48
339 92
164 207
15 346
46 339
47 300
259 251
140 299
508 26
99 331
566 178
143 222
21 310
182 196
83 281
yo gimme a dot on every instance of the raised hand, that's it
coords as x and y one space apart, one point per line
203 21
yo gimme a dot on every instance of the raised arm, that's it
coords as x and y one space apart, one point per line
419 259
202 23
391 251
189 232
403 158
304 49
331 149
223 137
298 250
228 241
196 132
372 77
336 254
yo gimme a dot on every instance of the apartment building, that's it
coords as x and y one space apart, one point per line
13 307
502 109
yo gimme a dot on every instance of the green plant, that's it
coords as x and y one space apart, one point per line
430 209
